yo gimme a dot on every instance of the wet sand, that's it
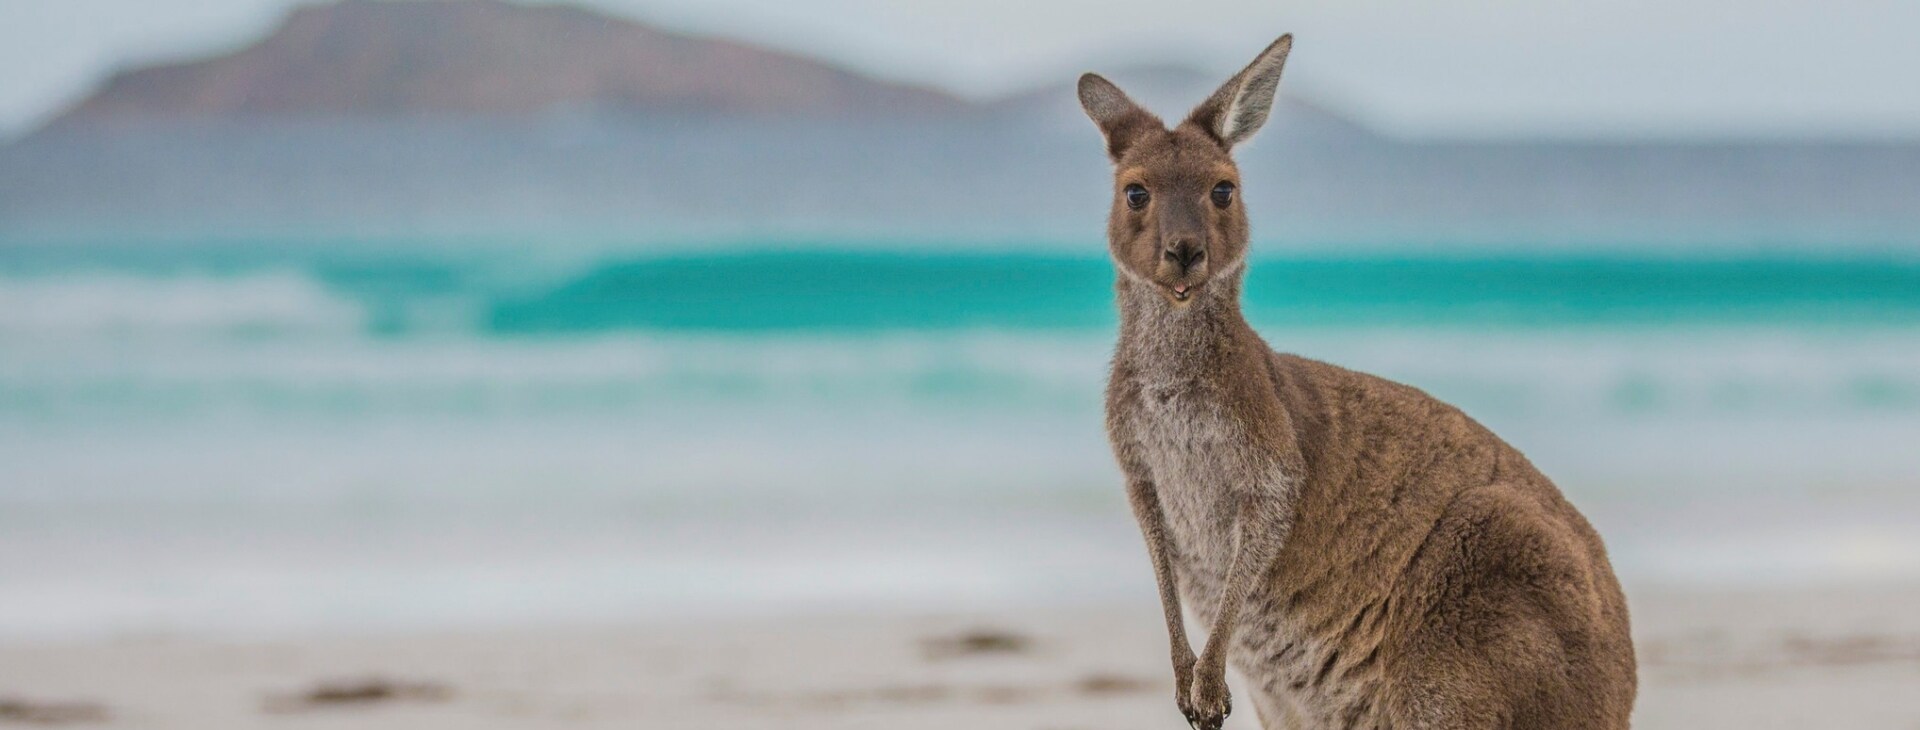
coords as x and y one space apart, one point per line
1831 657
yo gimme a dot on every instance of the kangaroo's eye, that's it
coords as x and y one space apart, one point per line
1136 197
1223 194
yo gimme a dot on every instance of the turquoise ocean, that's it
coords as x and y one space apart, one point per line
261 435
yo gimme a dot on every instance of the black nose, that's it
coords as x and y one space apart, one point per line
1186 253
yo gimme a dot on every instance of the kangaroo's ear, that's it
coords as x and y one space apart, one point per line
1238 109
1120 120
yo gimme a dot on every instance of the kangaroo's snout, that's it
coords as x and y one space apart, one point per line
1183 264
1185 252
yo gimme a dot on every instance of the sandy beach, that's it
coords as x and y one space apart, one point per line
1835 657
759 365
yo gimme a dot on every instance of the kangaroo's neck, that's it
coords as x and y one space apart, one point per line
1195 337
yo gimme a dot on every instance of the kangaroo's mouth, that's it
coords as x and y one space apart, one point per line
1181 292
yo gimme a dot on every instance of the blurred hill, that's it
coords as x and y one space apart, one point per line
467 57
443 116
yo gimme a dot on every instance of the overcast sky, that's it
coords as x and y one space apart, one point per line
1417 67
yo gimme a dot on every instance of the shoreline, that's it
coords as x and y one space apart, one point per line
1841 656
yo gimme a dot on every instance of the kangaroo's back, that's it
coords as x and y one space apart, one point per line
1484 581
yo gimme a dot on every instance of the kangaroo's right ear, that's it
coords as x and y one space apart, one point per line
1120 120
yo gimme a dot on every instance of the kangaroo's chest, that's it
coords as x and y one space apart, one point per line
1199 458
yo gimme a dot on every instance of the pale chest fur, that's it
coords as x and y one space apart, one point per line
1200 459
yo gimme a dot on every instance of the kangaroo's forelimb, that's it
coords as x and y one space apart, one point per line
1153 527
1260 528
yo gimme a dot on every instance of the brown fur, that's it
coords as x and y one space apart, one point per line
1366 555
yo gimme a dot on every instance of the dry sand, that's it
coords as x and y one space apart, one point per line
1831 658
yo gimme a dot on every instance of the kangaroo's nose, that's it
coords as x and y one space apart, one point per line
1185 252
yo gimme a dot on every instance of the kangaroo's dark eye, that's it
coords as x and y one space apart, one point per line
1136 197
1223 194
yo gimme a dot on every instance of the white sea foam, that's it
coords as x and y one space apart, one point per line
95 304
1640 376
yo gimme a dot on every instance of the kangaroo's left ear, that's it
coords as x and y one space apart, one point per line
1241 105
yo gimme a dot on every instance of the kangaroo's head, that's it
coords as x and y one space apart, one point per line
1177 218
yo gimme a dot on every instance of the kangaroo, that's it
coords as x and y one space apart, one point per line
1365 555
